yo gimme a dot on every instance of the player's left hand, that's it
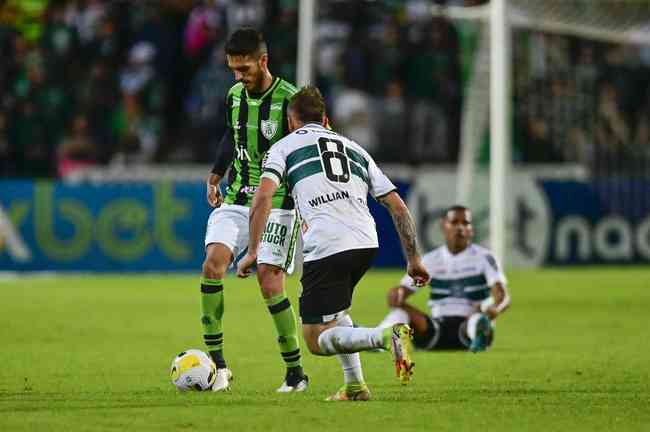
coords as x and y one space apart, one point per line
245 265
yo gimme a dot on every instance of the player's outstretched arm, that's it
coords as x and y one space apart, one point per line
405 227
259 214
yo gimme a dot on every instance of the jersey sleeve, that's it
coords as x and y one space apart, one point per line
380 184
225 153
492 270
275 163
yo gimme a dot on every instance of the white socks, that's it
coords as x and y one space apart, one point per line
351 363
343 340
395 316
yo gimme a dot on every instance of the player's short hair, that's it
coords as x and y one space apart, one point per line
246 41
455 208
308 105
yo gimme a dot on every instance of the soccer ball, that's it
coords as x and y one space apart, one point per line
193 370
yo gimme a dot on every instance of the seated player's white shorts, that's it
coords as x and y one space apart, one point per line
228 225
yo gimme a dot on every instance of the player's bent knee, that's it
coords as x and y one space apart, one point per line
217 260
212 270
311 334
214 267
313 347
271 279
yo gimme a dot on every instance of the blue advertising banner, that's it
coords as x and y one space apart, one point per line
119 227
108 227
130 227
604 221
549 222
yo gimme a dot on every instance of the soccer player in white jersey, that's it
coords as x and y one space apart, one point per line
330 177
468 292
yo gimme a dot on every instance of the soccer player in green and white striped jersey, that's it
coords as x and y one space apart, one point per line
467 291
256 119
330 177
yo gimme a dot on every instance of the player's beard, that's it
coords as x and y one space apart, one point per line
255 85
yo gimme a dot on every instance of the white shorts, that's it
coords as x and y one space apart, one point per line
228 225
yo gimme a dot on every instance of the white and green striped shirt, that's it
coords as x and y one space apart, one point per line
329 177
458 282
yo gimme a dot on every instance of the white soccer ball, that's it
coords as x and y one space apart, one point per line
193 370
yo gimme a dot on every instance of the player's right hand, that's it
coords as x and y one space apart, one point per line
416 270
245 265
214 195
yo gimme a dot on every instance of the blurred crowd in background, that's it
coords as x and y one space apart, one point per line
92 82
582 101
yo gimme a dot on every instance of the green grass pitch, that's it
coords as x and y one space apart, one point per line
93 353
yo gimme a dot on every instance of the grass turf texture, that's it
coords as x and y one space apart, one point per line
93 353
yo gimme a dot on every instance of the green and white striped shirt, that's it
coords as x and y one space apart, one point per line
458 282
257 122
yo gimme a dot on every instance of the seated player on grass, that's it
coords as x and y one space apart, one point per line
468 292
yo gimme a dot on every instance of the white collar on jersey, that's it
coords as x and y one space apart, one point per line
312 124
446 253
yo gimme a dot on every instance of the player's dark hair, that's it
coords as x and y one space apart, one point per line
246 41
308 105
454 208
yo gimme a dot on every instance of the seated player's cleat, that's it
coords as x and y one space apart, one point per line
222 380
398 338
480 341
299 386
352 393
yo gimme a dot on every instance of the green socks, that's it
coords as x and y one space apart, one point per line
281 312
212 309
285 325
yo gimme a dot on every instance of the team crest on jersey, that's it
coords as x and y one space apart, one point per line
269 128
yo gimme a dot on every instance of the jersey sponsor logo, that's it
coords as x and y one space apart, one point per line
276 107
248 189
269 128
275 234
327 198
242 154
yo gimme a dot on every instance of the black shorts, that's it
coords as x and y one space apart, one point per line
446 333
328 284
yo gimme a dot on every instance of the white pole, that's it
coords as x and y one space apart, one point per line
475 118
500 127
305 42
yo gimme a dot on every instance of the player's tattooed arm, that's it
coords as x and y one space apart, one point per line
404 223
408 236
